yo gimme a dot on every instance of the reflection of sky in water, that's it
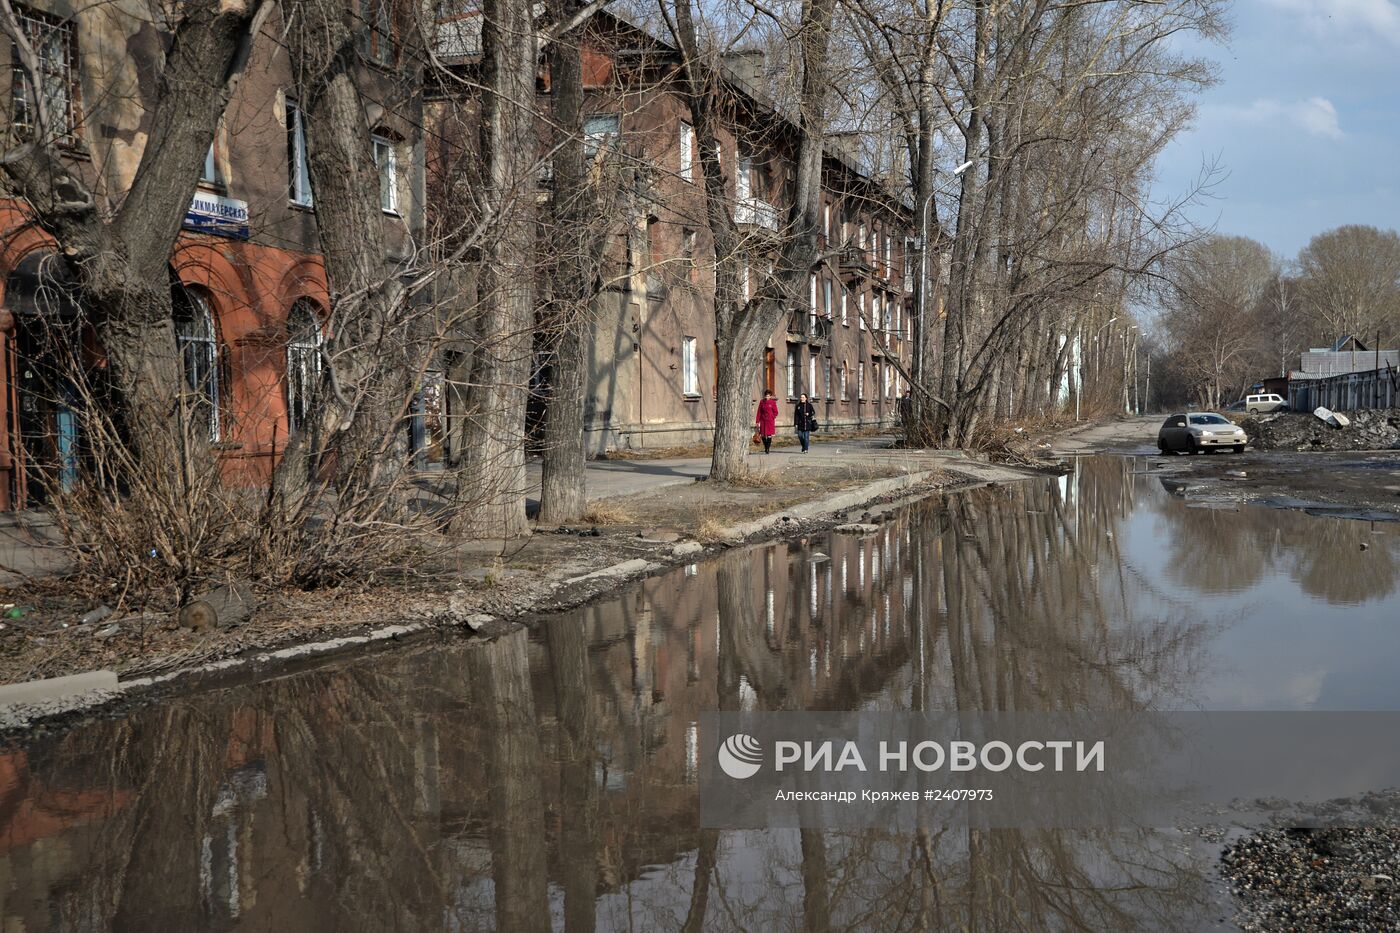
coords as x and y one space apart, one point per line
1274 581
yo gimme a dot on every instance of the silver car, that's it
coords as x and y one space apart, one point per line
1195 431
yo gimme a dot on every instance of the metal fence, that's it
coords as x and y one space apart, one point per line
1376 388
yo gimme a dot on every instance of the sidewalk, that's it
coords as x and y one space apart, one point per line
607 479
30 547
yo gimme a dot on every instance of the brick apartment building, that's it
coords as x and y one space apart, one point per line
652 370
251 293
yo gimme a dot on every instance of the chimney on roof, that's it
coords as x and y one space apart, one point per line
847 144
746 65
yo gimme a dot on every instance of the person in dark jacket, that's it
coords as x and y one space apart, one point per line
804 419
765 422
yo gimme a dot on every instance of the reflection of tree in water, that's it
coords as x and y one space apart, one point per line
497 785
1012 616
1214 552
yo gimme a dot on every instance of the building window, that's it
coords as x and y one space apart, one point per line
56 48
744 278
687 143
794 369
209 173
875 311
690 375
812 376
599 130
298 170
860 311
888 268
377 36
845 307
860 381
889 380
829 385
897 329
826 297
199 355
889 316
688 254
303 362
826 221
386 160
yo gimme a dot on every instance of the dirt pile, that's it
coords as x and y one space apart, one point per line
1369 430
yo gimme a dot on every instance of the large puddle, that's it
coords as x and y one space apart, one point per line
549 780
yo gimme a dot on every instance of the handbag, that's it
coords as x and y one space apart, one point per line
757 438
816 425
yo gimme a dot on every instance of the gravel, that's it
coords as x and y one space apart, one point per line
1324 878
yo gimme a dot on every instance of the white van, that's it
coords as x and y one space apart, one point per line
1262 404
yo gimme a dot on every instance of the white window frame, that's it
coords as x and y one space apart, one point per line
826 297
209 174
197 338
744 277
386 161
690 373
298 167
860 381
793 371
687 148
860 309
845 386
829 386
845 306
811 376
303 360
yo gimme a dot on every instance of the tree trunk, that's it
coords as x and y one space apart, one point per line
492 483
562 486
375 357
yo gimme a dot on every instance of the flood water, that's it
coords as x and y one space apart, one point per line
548 780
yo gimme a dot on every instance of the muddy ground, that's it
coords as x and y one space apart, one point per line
448 583
1363 485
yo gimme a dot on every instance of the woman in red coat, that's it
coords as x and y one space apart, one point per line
765 423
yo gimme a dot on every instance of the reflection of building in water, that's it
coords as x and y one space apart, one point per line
465 786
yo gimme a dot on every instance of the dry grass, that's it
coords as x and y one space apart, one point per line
607 512
710 530
763 479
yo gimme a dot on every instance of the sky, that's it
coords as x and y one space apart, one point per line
1304 122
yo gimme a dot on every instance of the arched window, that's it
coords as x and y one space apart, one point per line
303 362
199 352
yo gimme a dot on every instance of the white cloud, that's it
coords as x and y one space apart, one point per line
1316 116
1358 19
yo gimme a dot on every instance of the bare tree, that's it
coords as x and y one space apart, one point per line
1216 314
743 326
1056 111
1350 281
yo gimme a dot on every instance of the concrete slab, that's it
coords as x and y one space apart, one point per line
56 688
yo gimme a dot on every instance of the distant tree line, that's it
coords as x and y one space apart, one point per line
1234 313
